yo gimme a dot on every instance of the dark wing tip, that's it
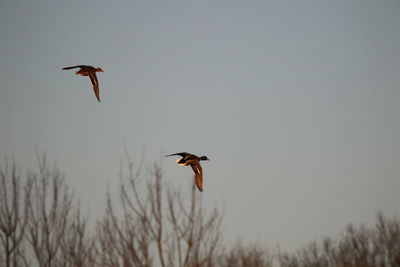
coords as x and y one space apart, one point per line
68 68
73 67
182 154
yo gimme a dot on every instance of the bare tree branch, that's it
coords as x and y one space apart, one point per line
13 215
49 213
158 227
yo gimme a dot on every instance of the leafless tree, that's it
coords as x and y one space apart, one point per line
14 199
49 214
246 256
77 247
357 246
195 238
157 226
388 236
149 223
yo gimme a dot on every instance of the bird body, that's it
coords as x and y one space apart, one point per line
194 162
90 71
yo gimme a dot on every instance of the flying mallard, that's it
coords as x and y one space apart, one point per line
91 72
194 162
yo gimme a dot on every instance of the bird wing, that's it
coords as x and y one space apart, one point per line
182 154
198 175
95 82
73 67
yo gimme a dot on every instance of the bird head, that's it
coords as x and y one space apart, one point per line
204 158
99 70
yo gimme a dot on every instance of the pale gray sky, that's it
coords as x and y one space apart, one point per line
297 103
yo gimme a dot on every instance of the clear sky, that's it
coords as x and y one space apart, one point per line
297 103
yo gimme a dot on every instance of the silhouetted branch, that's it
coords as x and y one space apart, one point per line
14 198
158 227
49 212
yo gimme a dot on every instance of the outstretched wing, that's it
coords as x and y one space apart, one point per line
95 82
73 67
198 175
182 154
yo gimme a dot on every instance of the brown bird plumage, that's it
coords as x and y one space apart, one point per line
194 162
91 72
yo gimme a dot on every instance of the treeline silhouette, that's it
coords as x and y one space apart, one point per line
150 223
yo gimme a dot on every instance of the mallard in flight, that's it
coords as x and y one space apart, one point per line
194 162
91 72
